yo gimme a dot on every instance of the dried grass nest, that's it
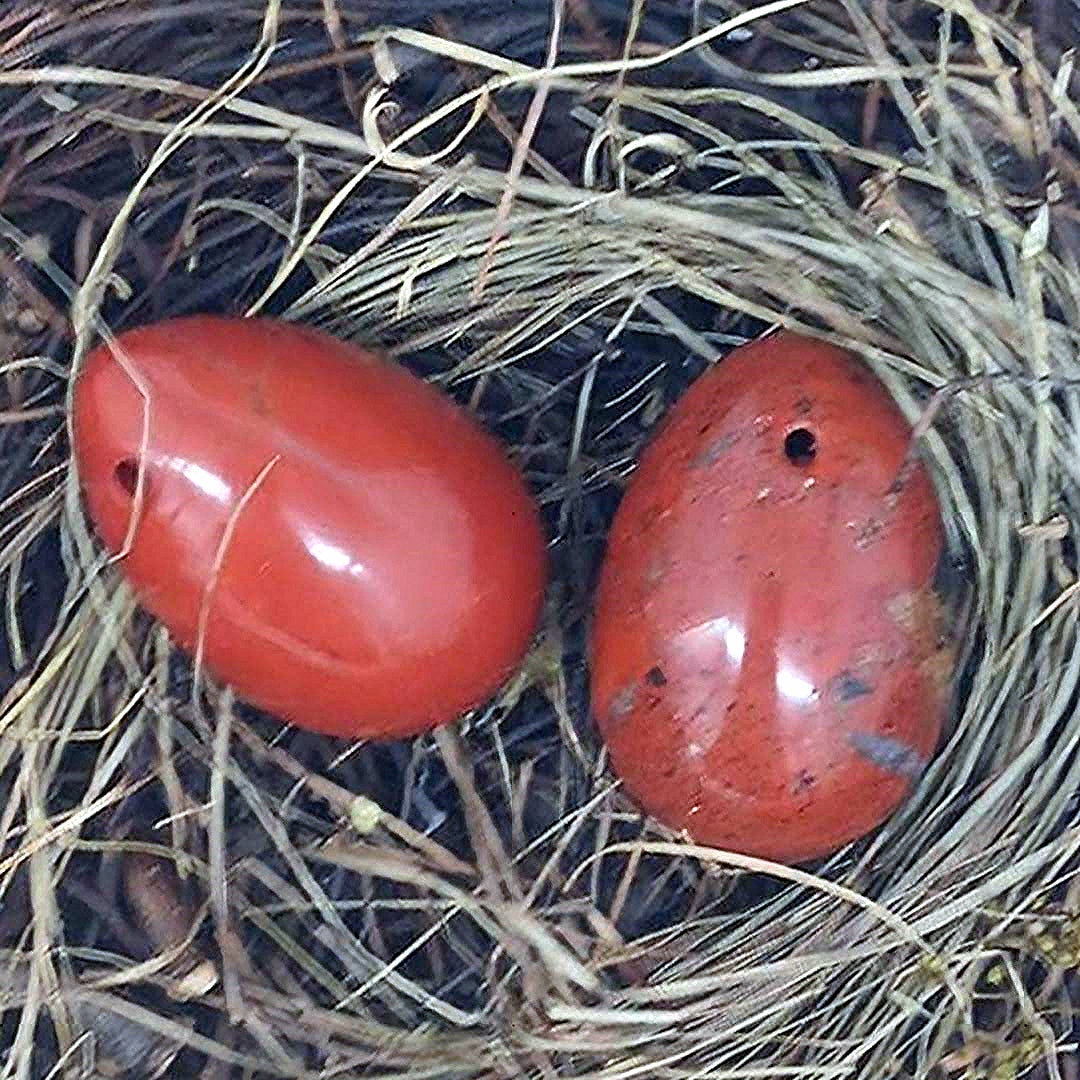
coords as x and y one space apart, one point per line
563 212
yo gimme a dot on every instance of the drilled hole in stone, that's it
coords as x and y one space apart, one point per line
126 475
800 446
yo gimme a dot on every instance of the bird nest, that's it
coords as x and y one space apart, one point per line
562 213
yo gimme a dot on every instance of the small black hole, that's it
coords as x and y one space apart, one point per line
800 446
126 475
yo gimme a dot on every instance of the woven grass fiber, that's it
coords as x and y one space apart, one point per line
562 212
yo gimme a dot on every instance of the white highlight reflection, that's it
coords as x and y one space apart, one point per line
208 483
733 636
791 685
333 557
735 643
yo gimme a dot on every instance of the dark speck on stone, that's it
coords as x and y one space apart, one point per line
655 677
847 688
889 754
715 450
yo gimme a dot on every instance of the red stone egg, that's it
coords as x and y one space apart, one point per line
769 669
354 552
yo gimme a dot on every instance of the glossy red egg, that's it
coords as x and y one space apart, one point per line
360 554
769 669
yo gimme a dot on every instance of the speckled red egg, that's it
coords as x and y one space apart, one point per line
768 664
358 555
